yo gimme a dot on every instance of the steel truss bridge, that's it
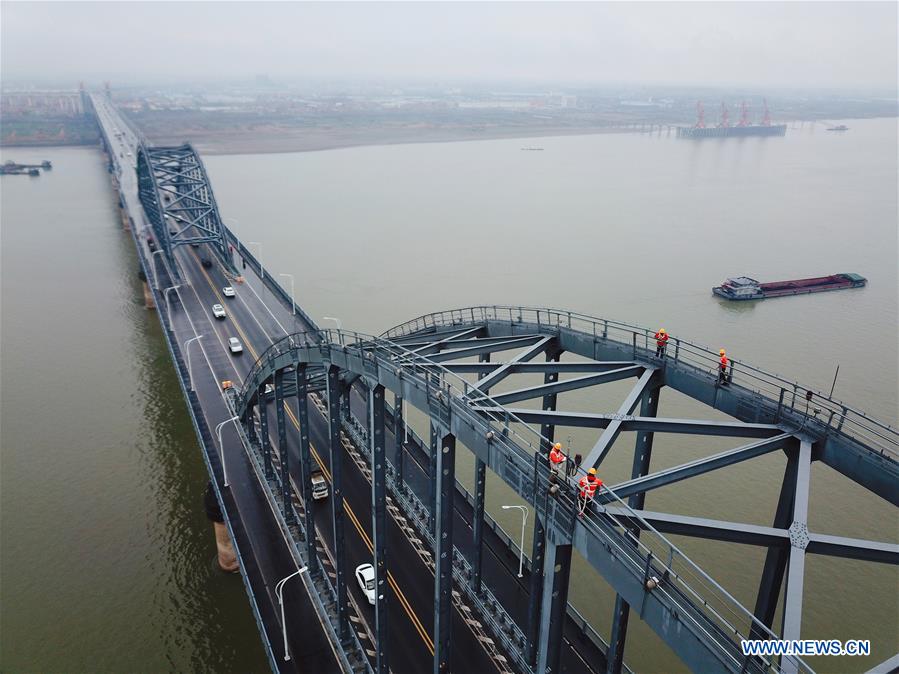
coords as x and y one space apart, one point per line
446 595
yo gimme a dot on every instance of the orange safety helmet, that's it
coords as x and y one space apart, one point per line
592 471
558 445
662 330
721 352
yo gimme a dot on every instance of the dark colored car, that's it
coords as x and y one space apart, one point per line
206 262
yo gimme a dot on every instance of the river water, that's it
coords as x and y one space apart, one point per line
107 557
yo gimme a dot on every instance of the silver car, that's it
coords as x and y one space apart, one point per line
235 345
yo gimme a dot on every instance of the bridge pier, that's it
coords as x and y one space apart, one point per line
649 407
379 523
227 558
335 392
443 553
149 302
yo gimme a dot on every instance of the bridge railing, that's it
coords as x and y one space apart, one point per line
785 399
714 612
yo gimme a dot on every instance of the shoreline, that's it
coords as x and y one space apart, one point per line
269 143
323 139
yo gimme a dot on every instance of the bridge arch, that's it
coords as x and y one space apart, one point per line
422 362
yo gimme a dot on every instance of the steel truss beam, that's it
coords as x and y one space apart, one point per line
335 450
306 469
489 381
283 453
379 522
488 346
662 478
555 387
627 422
754 534
540 368
443 552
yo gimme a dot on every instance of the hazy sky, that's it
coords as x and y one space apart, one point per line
777 44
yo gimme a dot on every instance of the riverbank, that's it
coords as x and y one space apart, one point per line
271 141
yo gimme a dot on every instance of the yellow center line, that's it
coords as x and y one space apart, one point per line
416 622
222 302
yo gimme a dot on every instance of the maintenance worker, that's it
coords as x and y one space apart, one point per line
661 342
722 368
556 457
588 486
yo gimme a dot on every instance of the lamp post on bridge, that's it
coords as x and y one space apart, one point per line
168 305
259 259
293 300
218 432
524 519
190 373
279 590
155 268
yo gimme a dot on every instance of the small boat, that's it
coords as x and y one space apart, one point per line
840 127
745 288
532 149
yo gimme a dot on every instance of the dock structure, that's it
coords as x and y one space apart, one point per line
447 595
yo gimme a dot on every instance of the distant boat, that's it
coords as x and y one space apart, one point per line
840 127
745 288
532 149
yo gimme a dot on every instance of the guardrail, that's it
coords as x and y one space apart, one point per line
714 612
784 397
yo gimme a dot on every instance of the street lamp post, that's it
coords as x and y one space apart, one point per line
524 519
336 320
218 432
292 298
155 268
279 590
168 303
259 260
190 373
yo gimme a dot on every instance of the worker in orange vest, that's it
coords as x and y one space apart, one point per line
588 486
556 457
661 342
722 368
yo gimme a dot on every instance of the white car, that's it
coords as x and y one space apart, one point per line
235 345
365 576
218 311
228 291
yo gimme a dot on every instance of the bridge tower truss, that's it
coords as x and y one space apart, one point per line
177 197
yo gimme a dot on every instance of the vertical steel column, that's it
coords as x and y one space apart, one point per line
443 553
249 422
282 447
379 521
432 477
306 468
480 494
555 603
538 545
336 455
263 433
777 556
649 407
399 429
795 572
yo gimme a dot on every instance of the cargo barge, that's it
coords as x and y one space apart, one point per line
745 288
724 129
